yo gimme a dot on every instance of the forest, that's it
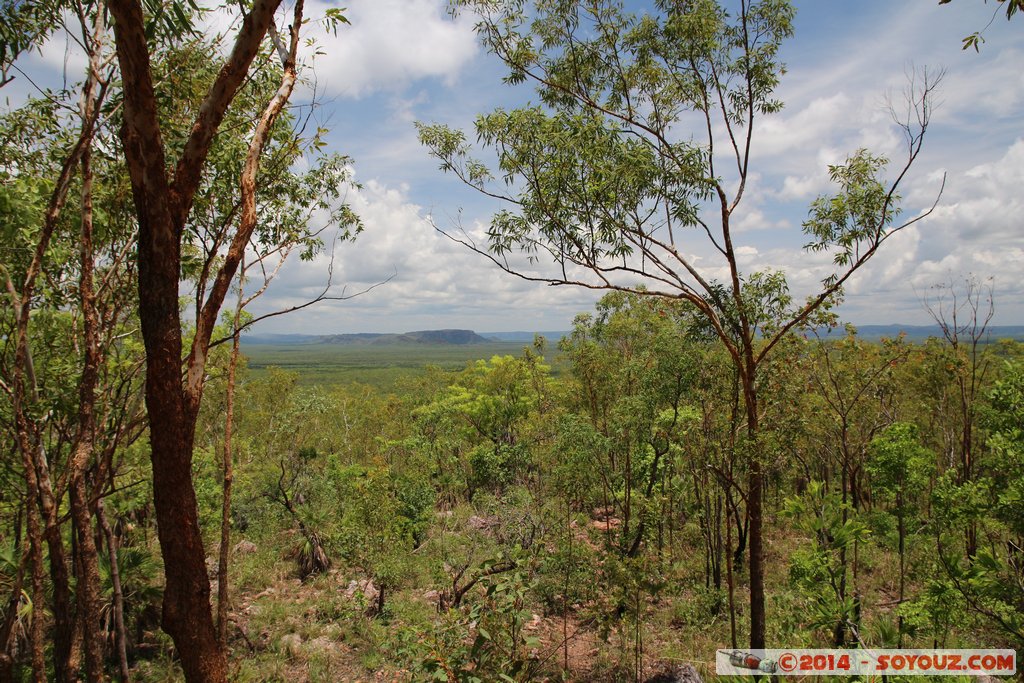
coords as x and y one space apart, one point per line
705 461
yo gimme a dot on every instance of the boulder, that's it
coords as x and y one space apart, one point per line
291 644
244 547
680 673
364 588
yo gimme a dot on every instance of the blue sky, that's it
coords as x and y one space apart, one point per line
406 60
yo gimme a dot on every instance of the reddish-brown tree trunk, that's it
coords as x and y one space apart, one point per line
186 600
162 208
88 583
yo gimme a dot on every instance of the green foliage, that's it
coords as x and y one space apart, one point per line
820 568
478 430
633 377
991 583
861 212
977 38
1005 420
586 167
387 368
899 465
498 646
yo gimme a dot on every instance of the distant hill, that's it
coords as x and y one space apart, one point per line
919 333
527 337
915 333
439 337
277 339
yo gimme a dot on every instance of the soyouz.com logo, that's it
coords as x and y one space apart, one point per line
979 662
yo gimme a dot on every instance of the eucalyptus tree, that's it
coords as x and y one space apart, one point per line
639 155
165 192
60 261
298 212
963 313
634 383
900 468
169 97
854 395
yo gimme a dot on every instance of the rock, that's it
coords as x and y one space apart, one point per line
681 673
431 596
245 547
364 588
480 523
291 644
263 640
321 644
610 524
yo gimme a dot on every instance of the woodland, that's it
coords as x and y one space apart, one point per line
712 462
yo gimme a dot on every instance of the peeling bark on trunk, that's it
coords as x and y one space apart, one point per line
162 207
32 515
88 580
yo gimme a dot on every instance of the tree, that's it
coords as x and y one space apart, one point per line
993 583
163 201
900 468
66 275
609 179
634 382
964 317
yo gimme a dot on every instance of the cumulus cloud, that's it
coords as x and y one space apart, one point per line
434 283
415 62
976 228
390 44
756 219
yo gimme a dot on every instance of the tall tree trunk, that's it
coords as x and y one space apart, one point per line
120 634
755 512
28 436
88 583
902 533
186 600
162 207
730 582
44 526
63 613
228 464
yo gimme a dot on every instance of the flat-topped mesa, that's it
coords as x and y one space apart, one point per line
455 337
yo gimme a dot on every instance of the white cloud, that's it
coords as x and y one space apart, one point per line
421 63
756 219
793 130
389 44
977 228
435 282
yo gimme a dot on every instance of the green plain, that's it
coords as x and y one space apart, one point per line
380 366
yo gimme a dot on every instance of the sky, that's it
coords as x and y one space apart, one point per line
402 61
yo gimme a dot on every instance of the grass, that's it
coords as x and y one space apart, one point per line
378 366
